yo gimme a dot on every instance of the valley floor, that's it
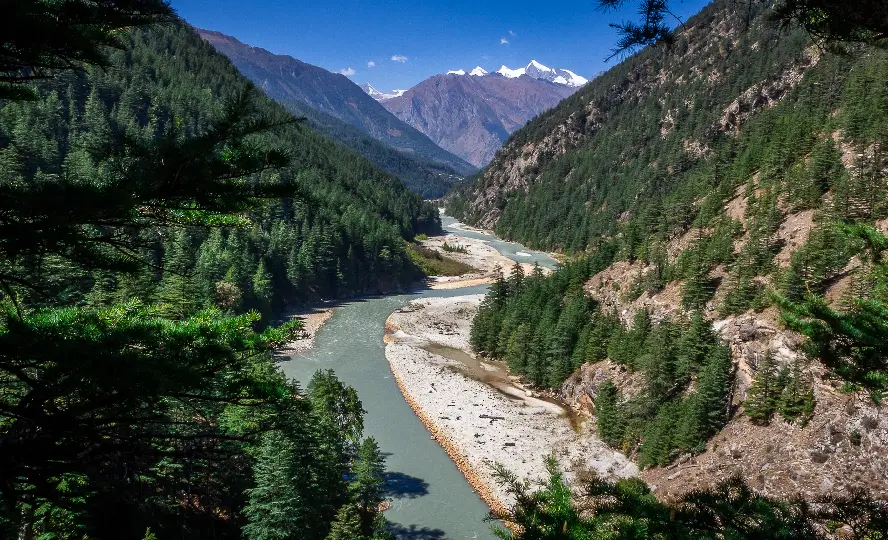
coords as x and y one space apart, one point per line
473 252
479 414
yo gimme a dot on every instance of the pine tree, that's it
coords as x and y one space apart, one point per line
347 525
517 353
339 406
276 509
714 389
706 411
499 289
763 397
607 414
179 289
658 363
698 288
262 289
797 401
367 487
603 327
516 279
694 345
659 443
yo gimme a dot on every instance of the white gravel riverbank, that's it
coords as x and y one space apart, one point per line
481 423
312 321
478 254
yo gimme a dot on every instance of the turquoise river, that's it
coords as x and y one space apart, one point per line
430 497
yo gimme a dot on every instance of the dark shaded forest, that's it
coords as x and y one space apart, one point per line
155 211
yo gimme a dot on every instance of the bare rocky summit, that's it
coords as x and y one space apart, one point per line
472 115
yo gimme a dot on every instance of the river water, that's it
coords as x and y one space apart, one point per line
431 499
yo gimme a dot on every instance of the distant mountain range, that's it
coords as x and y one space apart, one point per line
343 112
472 114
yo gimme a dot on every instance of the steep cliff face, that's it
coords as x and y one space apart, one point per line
472 115
656 114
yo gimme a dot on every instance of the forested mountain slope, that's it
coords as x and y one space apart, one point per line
319 95
344 236
429 179
157 210
724 198
637 133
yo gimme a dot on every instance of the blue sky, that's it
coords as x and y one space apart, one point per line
411 40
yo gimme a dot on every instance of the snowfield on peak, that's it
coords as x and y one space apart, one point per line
381 96
534 69
511 73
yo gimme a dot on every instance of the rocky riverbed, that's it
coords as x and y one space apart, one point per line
476 411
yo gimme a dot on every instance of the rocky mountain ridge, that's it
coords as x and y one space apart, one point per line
718 177
325 98
472 114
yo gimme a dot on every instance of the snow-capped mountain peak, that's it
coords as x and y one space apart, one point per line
368 88
456 72
558 76
478 72
538 66
511 73
381 96
537 70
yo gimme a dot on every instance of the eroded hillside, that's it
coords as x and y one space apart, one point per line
705 189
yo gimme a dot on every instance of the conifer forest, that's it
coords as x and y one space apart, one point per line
716 200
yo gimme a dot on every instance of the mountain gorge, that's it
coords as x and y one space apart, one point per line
227 312
340 110
472 114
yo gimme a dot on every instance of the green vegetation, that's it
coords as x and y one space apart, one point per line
432 263
830 22
788 391
456 248
711 168
852 342
156 211
781 161
545 328
627 509
340 232
421 175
